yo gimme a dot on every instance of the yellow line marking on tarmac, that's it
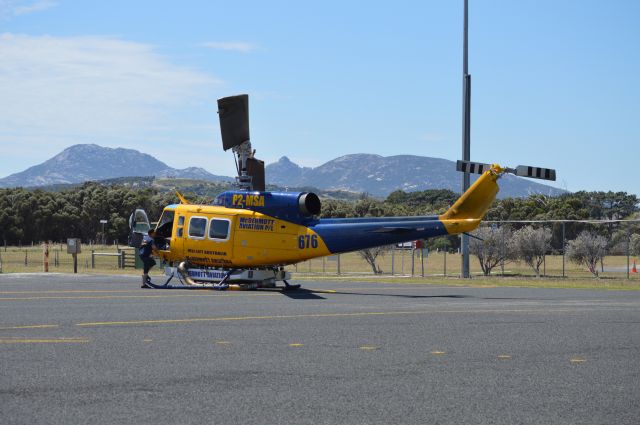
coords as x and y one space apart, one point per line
318 315
368 347
223 342
577 360
296 344
147 340
438 353
107 297
5 328
28 341
504 357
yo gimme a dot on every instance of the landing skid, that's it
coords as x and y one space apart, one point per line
224 279
290 287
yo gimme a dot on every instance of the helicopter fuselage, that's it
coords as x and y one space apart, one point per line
268 229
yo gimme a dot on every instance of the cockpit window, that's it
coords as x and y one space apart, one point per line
165 226
197 227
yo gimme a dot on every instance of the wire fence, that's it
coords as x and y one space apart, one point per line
620 261
92 258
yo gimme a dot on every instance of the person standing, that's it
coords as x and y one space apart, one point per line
146 249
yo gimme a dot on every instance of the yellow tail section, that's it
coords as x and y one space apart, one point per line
470 208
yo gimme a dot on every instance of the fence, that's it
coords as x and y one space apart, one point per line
619 262
93 258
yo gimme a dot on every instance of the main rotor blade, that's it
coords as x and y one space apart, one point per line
233 112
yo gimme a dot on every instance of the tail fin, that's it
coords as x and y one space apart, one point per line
471 207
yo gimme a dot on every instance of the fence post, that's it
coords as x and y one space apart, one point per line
123 254
563 249
445 262
26 258
0 262
393 258
502 254
93 258
338 264
413 262
46 257
628 243
324 265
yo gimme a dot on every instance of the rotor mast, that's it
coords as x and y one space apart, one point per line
243 151
233 112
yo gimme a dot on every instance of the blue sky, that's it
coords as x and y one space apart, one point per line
554 82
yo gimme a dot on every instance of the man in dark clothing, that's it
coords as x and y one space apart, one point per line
145 251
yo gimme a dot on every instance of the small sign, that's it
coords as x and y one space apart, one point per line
103 221
73 246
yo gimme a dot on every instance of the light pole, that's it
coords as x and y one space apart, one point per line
466 131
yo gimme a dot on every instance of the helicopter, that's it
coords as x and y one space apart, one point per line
246 237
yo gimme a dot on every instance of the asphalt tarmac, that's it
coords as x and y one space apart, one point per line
78 349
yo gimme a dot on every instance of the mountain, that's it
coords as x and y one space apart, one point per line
80 163
357 173
379 176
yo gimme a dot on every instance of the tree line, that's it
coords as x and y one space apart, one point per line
31 216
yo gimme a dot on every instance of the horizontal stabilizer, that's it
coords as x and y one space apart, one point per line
472 167
536 172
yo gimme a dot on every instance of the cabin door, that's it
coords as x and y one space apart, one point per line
138 227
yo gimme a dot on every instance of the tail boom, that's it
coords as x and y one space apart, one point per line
467 212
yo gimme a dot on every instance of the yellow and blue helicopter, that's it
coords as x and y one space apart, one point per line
247 236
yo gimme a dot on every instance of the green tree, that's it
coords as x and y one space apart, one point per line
491 247
587 249
531 245
371 255
634 244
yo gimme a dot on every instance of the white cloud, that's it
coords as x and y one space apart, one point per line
236 46
37 6
87 86
10 8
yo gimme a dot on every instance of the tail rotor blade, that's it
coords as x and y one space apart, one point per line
472 167
536 172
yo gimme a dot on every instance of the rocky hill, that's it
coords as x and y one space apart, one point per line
379 176
81 163
374 174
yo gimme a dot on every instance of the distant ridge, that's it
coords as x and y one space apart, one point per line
357 173
379 176
79 163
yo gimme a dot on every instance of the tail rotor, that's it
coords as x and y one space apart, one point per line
520 170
